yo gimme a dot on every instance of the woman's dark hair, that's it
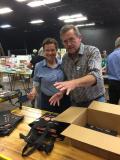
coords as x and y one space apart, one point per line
50 41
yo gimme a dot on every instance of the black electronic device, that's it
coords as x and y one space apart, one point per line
8 122
103 130
7 93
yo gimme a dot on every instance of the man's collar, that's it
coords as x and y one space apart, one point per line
81 50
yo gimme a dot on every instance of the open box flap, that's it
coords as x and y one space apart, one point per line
104 115
71 114
105 107
93 138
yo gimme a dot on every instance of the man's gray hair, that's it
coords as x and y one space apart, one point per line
117 42
68 27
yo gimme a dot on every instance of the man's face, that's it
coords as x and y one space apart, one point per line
50 52
71 41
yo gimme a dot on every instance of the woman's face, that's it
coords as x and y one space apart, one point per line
50 52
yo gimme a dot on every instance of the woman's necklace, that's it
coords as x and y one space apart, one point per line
52 65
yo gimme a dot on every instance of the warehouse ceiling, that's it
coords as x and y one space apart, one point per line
101 12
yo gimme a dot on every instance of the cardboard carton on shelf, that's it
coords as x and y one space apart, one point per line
102 115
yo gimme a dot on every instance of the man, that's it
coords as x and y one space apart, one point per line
113 67
104 61
35 59
82 68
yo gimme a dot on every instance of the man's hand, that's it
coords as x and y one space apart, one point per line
66 86
55 99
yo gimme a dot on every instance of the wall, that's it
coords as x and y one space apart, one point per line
102 37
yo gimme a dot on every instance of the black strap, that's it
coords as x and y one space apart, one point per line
27 150
38 143
42 135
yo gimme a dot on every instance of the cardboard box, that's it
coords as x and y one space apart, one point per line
99 114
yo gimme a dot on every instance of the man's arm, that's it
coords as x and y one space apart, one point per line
30 66
68 86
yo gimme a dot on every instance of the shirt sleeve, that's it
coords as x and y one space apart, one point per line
94 63
36 78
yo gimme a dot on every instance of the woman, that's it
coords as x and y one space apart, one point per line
47 72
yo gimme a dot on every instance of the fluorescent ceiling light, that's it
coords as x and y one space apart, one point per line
41 2
36 21
76 15
35 3
63 17
85 25
75 19
5 10
5 26
72 18
51 1
21 0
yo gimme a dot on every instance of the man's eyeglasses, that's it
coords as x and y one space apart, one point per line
70 40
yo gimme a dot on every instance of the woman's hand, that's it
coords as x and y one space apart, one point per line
31 96
55 99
